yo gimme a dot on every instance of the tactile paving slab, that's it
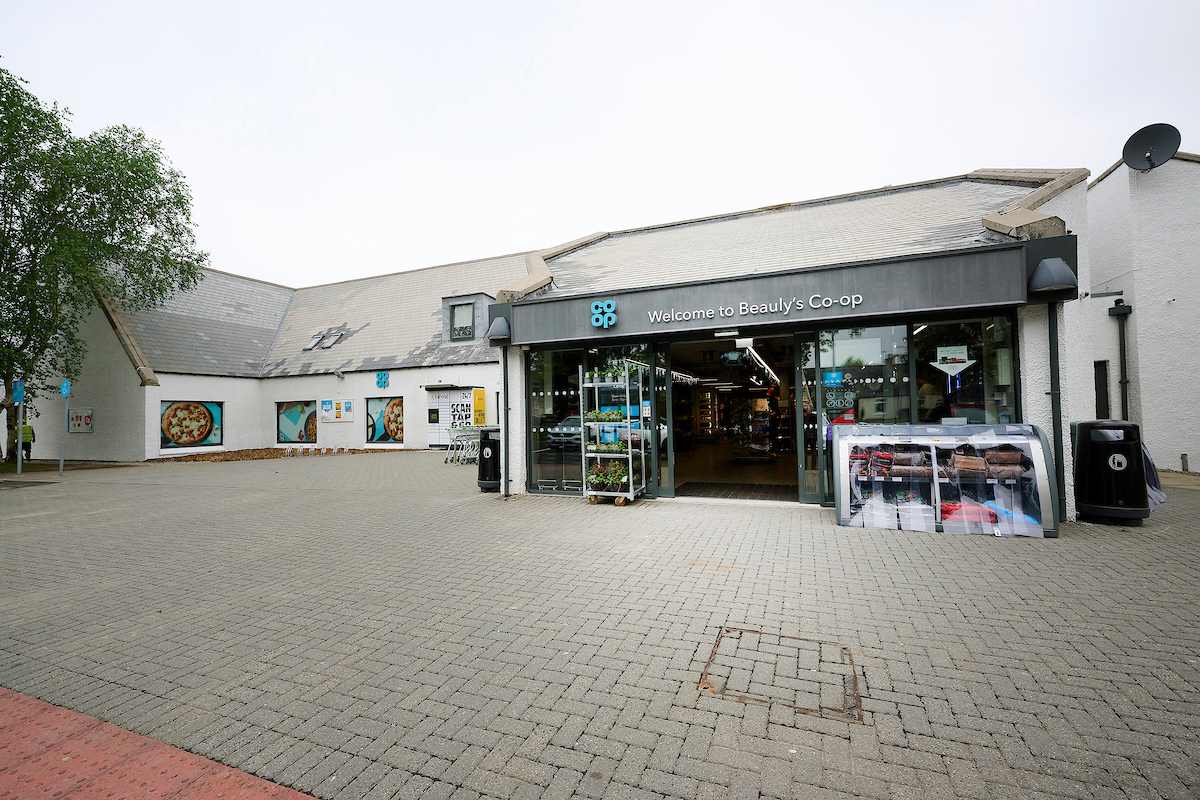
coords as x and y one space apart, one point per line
805 675
56 754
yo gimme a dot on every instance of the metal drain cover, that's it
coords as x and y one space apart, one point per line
806 675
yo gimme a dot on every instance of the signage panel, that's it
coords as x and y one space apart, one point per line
79 420
337 411
991 277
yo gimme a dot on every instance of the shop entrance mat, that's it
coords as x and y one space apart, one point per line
739 491
50 752
805 675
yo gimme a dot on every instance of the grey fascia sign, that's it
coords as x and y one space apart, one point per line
961 280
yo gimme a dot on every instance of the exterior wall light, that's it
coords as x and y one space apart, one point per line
1052 274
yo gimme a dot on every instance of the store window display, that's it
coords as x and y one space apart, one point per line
965 371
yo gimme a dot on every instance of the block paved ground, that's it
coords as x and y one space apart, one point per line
373 626
51 752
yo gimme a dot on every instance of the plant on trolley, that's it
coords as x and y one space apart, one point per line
607 447
608 477
605 416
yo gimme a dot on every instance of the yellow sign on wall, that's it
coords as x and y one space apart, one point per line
480 407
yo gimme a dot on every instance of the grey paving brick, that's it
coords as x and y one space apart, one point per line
509 664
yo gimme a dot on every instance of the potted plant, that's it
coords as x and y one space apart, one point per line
597 478
618 477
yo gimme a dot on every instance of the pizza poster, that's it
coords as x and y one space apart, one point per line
297 422
385 419
190 423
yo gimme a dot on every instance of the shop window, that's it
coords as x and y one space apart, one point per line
555 425
462 322
296 422
965 371
190 424
864 375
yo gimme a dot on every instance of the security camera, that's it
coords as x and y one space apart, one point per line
338 372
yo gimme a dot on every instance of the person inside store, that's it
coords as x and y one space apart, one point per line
942 409
28 437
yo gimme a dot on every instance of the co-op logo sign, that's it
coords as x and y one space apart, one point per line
604 314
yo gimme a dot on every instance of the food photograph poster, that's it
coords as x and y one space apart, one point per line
186 423
385 419
297 422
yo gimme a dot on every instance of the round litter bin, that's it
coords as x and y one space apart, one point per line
1110 475
489 459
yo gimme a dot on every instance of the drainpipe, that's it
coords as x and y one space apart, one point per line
1121 311
1056 412
507 417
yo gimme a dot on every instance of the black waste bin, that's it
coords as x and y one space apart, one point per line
1110 475
489 459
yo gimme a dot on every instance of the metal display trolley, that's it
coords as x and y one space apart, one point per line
982 479
615 430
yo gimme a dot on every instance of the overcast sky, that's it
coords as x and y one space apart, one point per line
325 141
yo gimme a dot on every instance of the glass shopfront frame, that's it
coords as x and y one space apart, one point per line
986 390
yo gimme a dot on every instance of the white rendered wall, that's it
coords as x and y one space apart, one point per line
358 386
241 398
1165 248
515 421
1075 361
1109 247
107 384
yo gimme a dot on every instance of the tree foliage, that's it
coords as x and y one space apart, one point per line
80 217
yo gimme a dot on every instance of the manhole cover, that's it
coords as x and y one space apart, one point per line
808 676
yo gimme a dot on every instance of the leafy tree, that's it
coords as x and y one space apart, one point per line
80 218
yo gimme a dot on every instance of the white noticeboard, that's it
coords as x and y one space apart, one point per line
337 411
79 420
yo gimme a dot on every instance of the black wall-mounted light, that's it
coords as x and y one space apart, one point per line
1052 274
498 329
1050 278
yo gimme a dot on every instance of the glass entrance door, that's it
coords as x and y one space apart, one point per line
733 412
808 431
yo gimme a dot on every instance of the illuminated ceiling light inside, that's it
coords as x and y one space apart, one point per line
763 364
729 334
918 330
676 377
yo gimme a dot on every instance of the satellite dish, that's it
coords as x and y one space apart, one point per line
1151 147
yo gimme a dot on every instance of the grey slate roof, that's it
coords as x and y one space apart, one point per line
240 327
922 218
224 327
387 322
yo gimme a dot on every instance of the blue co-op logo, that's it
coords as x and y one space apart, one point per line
604 314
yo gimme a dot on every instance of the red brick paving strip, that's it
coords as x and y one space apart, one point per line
52 753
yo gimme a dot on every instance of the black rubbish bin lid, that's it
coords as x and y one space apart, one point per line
1110 430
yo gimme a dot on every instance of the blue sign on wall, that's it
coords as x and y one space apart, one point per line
604 314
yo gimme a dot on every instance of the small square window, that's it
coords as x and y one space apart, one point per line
462 322
316 340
